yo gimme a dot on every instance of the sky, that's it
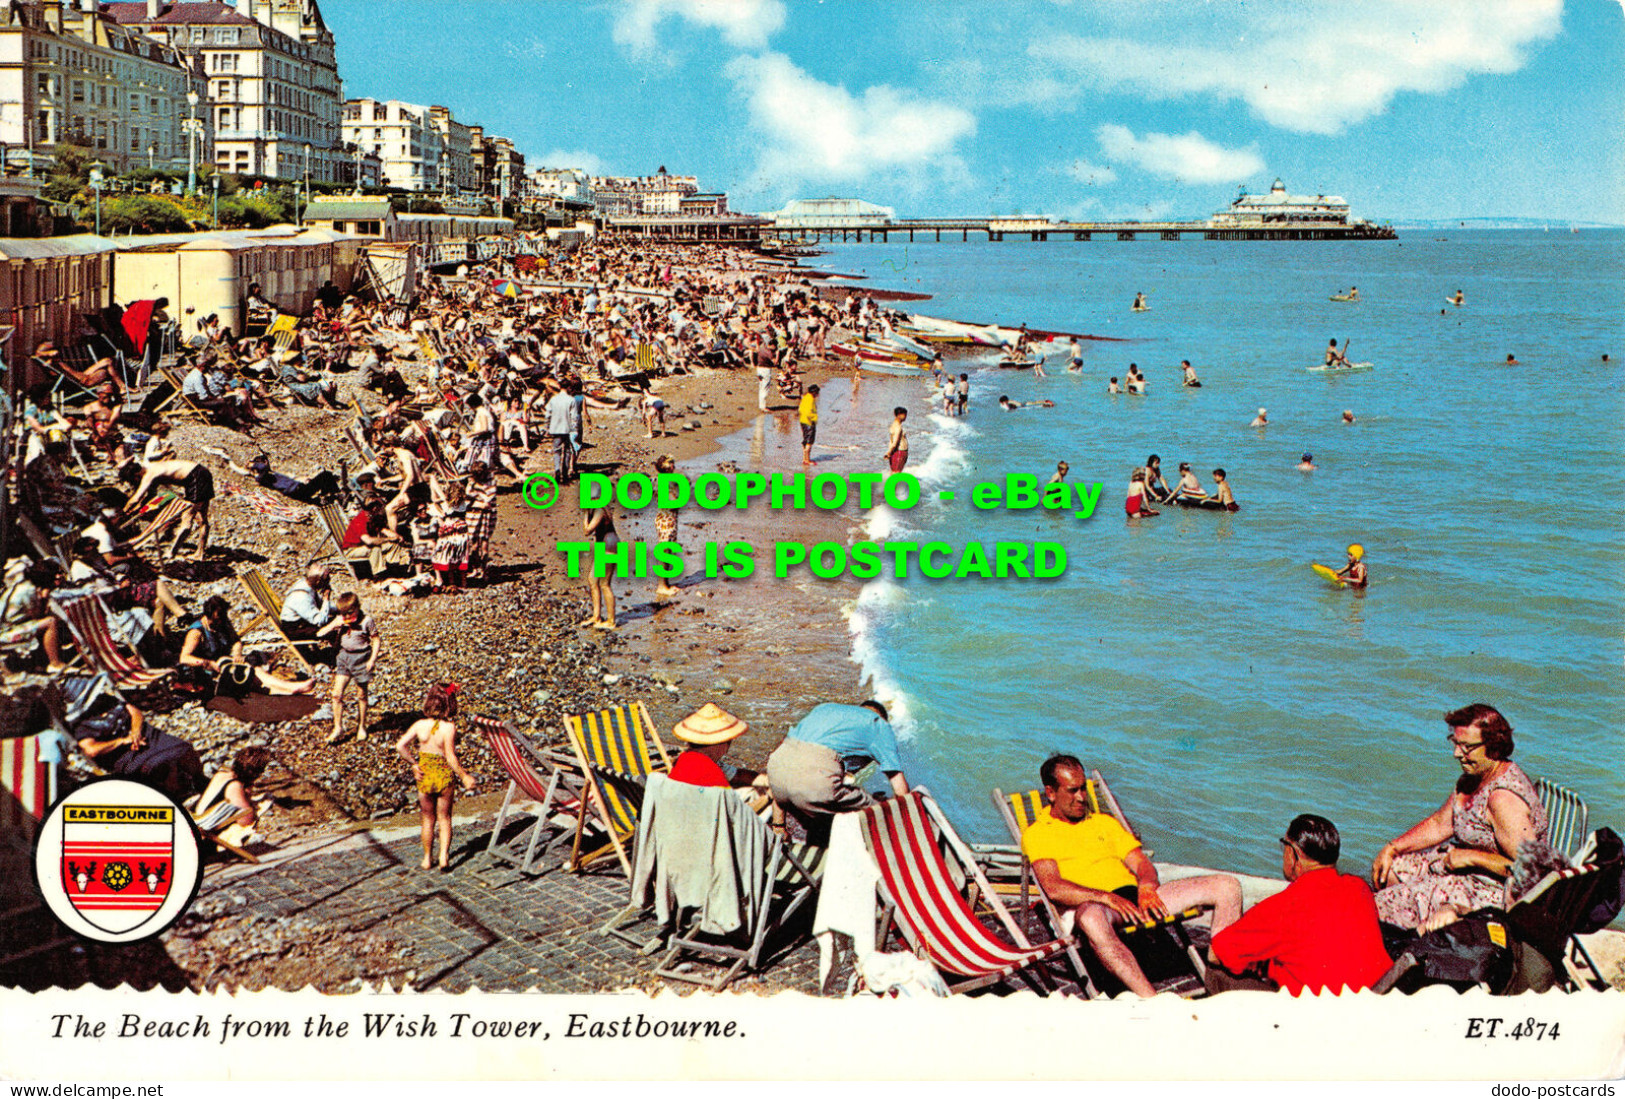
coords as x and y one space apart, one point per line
1064 108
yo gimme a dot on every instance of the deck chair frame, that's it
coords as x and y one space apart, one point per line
333 523
184 405
620 746
1019 810
1567 815
557 781
269 606
794 871
907 836
213 834
86 619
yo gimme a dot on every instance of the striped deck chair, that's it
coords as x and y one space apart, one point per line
334 523
281 331
269 605
162 520
27 785
86 620
618 741
1020 810
182 404
733 939
557 785
644 359
909 839
1567 815
214 823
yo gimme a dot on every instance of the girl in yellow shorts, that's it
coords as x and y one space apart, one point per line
434 766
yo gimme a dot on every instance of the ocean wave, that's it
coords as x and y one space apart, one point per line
877 600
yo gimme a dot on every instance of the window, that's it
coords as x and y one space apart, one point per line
227 36
197 36
44 84
78 91
222 88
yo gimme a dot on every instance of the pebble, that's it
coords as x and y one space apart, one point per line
723 685
611 680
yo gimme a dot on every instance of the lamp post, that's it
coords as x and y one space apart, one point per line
193 127
358 169
215 179
299 211
152 151
96 185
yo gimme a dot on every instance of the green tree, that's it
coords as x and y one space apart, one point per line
143 214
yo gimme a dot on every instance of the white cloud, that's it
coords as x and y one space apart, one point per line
1307 68
746 24
1189 158
1091 174
590 163
821 132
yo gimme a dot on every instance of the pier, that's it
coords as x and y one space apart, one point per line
752 230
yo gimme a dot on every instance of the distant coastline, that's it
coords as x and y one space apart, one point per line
1499 223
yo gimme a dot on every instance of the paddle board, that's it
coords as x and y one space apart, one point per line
1324 369
1329 574
1140 308
1341 297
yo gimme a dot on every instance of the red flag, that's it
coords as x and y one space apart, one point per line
137 316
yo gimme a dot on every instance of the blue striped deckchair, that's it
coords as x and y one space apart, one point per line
623 741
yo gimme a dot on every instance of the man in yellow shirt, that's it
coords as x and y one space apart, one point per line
1089 863
809 423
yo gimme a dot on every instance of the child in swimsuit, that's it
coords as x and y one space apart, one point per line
435 765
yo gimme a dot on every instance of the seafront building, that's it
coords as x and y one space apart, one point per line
404 138
1280 208
499 168
808 213
636 196
69 72
457 172
269 80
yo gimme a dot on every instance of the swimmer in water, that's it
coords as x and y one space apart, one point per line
1139 303
1260 420
1189 487
1135 504
1226 497
1353 574
1010 406
1512 361
1308 463
1061 470
1190 374
1459 299
1348 415
1111 386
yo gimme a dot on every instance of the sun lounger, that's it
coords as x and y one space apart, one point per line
178 403
617 740
334 523
910 840
557 786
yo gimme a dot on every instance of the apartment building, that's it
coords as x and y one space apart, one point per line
458 172
69 73
499 167
270 80
403 137
634 196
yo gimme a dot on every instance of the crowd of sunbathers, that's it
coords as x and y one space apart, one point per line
443 394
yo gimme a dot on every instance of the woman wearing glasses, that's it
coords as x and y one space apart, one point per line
1458 858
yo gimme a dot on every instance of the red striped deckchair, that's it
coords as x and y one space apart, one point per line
166 517
86 619
907 837
550 789
616 741
29 786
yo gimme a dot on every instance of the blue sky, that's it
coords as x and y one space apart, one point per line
1080 108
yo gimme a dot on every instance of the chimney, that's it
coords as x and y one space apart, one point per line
53 15
245 8
154 9
87 6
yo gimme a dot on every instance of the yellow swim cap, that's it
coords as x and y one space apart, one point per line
1356 551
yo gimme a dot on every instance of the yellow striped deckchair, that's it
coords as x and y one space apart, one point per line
617 749
1020 810
281 331
645 360
269 604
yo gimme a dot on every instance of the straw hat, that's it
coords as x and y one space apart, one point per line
710 724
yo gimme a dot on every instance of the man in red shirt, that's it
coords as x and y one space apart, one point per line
708 731
1319 933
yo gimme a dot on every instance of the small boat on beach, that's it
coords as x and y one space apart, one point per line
941 330
882 358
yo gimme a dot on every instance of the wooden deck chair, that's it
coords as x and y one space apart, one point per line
557 785
178 404
437 453
617 740
28 784
1567 815
269 605
352 432
910 840
213 825
1020 810
334 523
166 516
644 359
281 331
732 938
86 620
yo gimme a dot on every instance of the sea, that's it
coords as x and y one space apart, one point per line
1219 684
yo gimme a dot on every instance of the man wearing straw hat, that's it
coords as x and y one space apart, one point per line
708 732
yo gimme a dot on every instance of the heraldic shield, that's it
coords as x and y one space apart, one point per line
118 862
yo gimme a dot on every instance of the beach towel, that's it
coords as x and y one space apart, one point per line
137 318
268 505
